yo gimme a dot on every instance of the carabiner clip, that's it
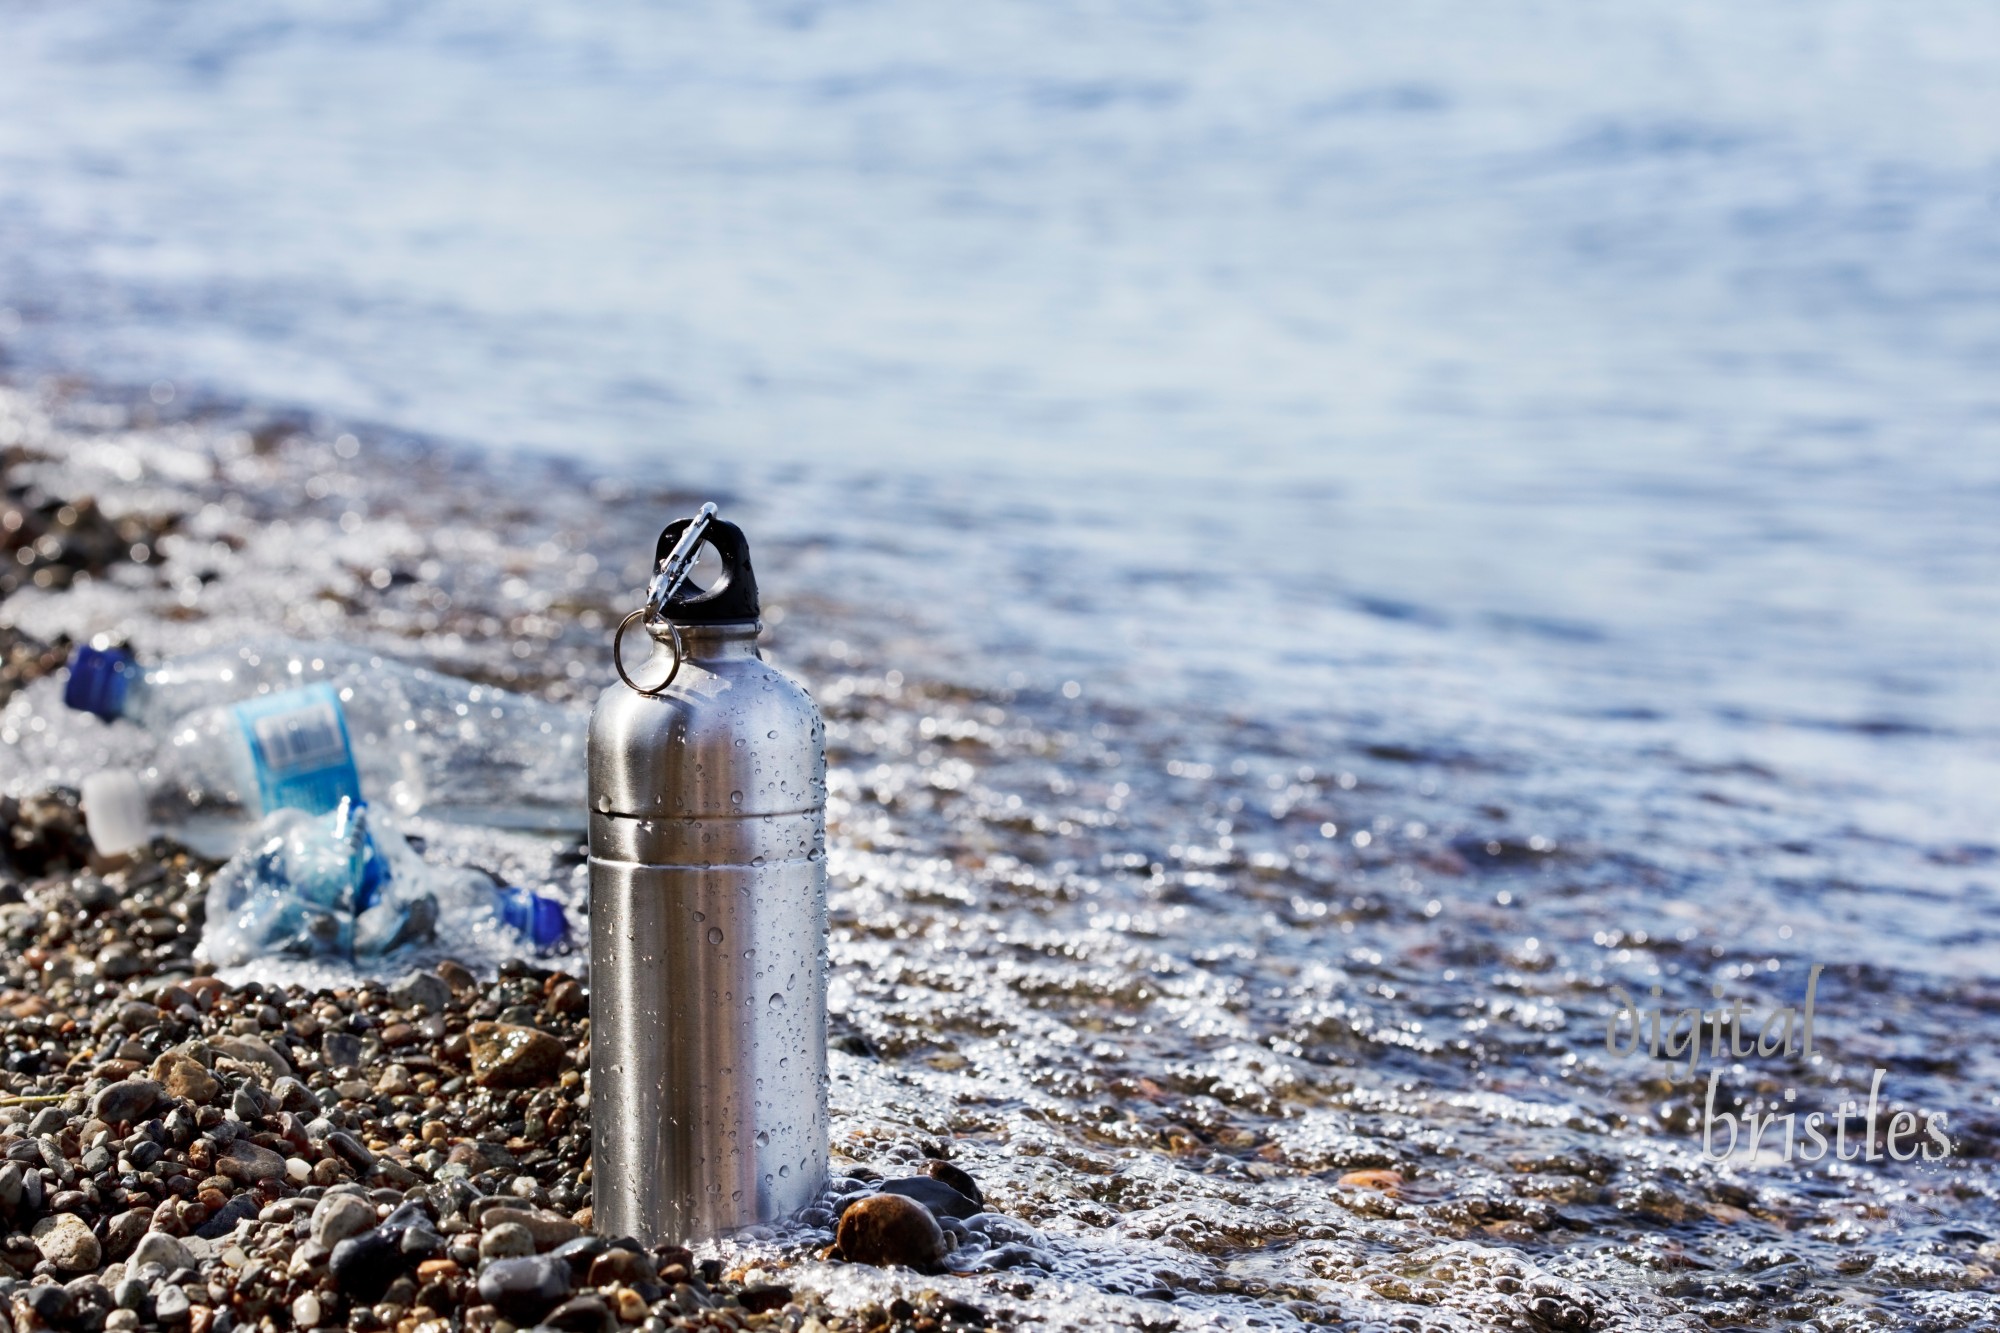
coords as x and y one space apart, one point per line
667 581
674 570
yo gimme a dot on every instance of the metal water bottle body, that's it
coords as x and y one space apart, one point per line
708 944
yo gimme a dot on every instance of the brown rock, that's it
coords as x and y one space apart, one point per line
616 1266
547 1229
889 1230
127 1102
507 1055
457 976
184 1076
1388 1182
247 1163
167 1218
254 1051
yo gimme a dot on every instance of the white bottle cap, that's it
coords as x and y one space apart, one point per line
114 810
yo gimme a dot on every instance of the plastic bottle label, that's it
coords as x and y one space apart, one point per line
300 749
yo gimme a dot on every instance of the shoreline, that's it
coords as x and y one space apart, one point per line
1209 1077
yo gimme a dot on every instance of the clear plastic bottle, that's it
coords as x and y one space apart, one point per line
339 885
276 724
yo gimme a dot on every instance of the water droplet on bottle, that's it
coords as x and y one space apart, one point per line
715 934
763 1139
701 916
776 1001
604 805
736 798
784 1173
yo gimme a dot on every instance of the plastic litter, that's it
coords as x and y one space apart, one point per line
274 725
341 885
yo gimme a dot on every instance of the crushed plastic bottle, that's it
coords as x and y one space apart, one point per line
340 885
276 725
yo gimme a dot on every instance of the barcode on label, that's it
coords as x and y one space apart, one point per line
301 738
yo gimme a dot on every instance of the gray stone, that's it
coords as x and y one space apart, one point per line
425 991
338 1216
340 1050
294 1096
157 1247
124 1231
421 1242
127 1102
249 1104
170 1304
509 1240
523 1290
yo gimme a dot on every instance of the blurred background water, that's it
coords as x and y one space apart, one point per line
1602 401
1634 365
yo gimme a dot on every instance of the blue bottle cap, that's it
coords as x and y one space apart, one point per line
98 680
547 925
536 918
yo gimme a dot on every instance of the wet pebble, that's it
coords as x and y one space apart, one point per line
512 1055
941 1198
956 1177
889 1230
365 1265
524 1289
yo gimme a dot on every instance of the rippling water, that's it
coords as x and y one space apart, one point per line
1326 539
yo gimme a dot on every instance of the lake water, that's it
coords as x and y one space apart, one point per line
1557 449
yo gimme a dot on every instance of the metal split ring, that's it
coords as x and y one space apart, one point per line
618 655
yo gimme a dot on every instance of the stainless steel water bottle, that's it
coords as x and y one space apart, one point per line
707 916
